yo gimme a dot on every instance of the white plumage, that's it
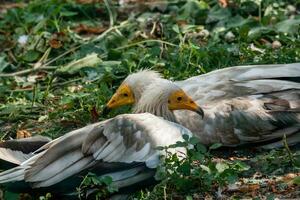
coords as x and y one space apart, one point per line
124 140
16 151
243 104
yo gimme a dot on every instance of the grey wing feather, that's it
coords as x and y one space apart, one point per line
240 81
18 150
245 104
12 156
123 139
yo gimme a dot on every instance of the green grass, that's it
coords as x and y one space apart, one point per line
52 95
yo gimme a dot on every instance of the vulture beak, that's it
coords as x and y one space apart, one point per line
123 96
179 100
200 112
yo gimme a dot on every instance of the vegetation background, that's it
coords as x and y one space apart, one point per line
60 61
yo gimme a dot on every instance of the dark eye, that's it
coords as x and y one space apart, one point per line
125 95
179 98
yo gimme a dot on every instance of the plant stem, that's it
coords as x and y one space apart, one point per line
288 149
111 17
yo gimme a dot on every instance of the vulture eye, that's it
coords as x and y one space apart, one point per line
125 95
179 98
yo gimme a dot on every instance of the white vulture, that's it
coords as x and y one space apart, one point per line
123 147
242 105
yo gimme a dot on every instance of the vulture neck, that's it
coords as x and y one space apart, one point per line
160 109
155 97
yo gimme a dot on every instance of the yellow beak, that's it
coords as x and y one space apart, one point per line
179 100
123 96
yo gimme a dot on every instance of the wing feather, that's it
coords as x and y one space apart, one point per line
70 158
58 149
16 157
77 167
245 104
129 138
102 153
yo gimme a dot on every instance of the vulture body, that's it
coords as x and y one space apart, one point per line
256 104
14 152
124 147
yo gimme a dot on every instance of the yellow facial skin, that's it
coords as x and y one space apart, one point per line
123 96
179 100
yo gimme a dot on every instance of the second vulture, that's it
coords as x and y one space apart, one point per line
256 104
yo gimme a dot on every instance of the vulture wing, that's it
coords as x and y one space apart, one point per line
128 140
14 152
245 104
240 81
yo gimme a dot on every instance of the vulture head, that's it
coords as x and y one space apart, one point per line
154 95
131 89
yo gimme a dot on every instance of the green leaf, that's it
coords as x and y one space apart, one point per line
270 197
186 137
296 180
11 196
201 148
215 146
241 166
194 140
39 25
205 168
218 14
3 63
107 180
197 156
31 56
176 28
110 65
184 168
221 167
290 26
179 144
91 60
257 32
68 13
189 198
193 10
297 161
160 148
237 22
232 178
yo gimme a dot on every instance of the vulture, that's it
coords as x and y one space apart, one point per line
243 105
123 147
14 152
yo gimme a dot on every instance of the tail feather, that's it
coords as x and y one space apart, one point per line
12 175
